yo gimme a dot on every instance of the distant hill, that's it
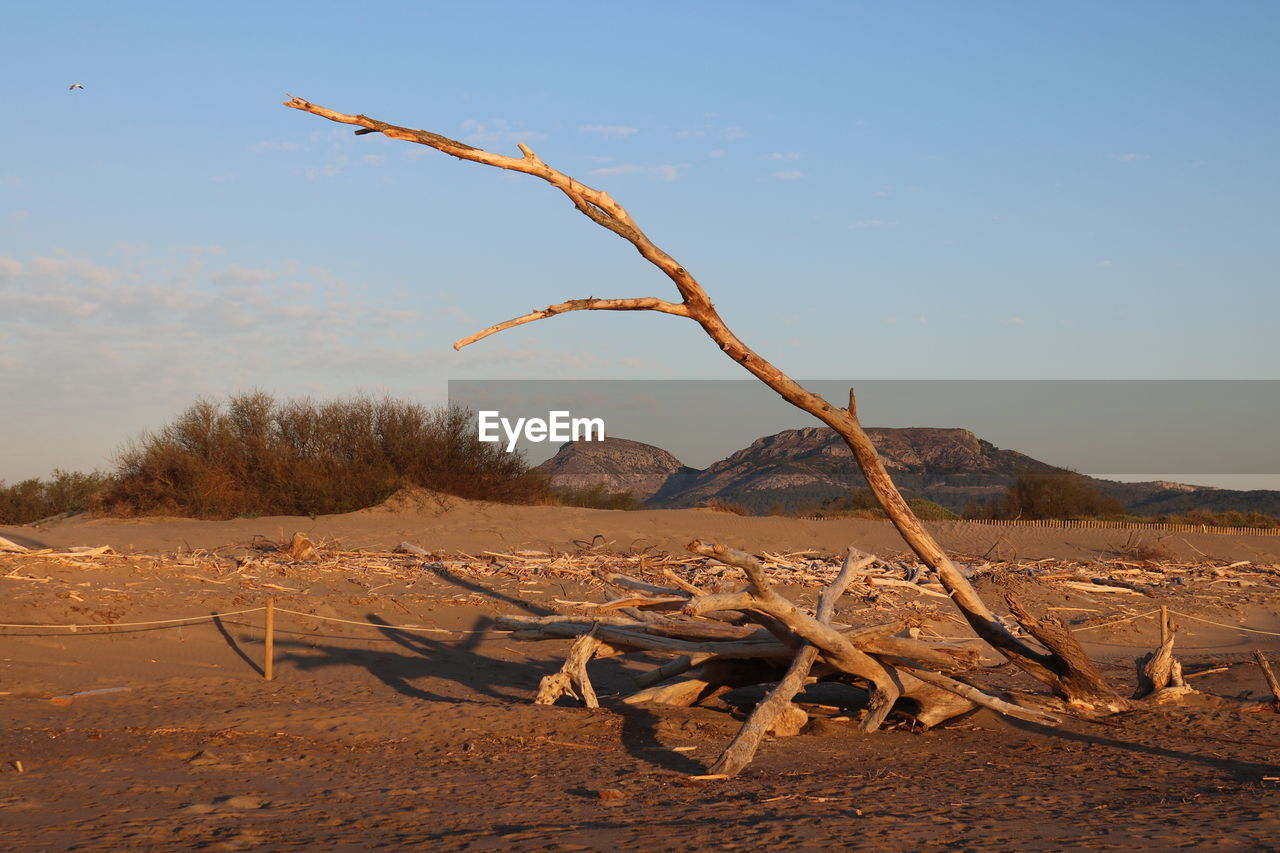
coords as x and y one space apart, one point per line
799 468
621 465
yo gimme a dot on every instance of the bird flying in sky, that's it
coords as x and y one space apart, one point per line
74 86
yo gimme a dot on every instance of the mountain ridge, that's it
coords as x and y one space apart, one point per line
798 468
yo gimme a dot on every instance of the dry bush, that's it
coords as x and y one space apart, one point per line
34 499
1058 494
862 503
253 455
1135 547
1225 518
719 505
595 496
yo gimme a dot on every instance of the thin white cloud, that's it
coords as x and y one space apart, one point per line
791 175
873 223
781 155
89 330
731 134
1128 158
663 172
336 166
494 132
609 131
622 169
238 274
374 159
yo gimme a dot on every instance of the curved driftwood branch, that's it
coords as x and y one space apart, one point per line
601 208
646 303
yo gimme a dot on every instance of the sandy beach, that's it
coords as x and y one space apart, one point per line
410 724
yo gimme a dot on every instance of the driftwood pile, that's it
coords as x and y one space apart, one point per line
718 633
755 635
1043 647
720 639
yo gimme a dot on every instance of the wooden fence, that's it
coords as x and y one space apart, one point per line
1096 524
1092 523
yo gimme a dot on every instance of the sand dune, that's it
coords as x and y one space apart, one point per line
418 731
451 524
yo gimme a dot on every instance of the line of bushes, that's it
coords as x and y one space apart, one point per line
862 503
254 455
596 496
1059 494
36 499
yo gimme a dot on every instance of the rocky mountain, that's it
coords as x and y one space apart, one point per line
800 468
621 465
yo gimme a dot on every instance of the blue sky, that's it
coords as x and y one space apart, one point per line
880 191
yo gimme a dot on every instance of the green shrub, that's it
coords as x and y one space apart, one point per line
862 503
927 510
595 497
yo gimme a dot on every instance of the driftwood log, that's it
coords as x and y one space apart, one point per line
1160 671
1055 658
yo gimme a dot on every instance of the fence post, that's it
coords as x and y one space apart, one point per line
268 653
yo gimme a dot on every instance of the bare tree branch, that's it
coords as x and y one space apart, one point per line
600 207
645 303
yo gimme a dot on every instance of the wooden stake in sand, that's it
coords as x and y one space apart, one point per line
1272 683
270 641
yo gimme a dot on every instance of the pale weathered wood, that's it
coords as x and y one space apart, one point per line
1067 668
301 549
1272 683
978 697
269 641
627 582
834 646
1064 667
705 640
572 679
670 669
766 716
704 682
696 305
1159 670
9 546
776 704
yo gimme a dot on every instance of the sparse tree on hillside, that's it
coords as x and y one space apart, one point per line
1061 494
